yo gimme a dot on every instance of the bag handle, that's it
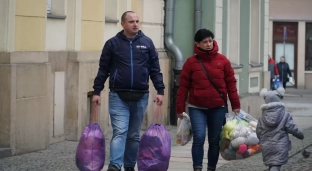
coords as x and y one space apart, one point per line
157 113
95 113
214 86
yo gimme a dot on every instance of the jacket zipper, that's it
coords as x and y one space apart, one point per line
115 74
146 76
282 72
131 65
131 61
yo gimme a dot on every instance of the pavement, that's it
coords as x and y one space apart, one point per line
61 156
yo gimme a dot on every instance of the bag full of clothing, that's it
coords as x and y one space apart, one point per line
90 154
184 132
238 139
155 149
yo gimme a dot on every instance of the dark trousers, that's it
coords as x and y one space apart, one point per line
284 85
200 120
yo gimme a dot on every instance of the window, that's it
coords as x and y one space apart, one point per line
308 54
49 6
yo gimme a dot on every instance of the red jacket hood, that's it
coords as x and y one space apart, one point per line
271 60
207 54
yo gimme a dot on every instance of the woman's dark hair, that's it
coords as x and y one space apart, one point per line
202 34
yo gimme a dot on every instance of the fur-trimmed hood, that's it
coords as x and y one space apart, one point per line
273 113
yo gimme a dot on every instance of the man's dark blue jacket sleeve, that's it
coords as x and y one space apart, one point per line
155 74
103 72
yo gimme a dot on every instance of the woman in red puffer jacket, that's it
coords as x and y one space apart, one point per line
207 108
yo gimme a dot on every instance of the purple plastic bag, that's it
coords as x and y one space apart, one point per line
155 149
90 154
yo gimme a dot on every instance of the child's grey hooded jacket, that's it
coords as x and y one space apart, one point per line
272 130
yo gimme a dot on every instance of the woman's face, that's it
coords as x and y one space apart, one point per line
205 44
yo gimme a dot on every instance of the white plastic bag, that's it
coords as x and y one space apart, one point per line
184 132
291 81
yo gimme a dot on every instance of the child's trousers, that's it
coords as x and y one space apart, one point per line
274 168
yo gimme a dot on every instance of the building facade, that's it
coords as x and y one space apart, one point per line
296 18
50 49
241 28
49 54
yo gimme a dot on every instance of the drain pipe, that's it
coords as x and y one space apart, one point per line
170 45
198 15
176 52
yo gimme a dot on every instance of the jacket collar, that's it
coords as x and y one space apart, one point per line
203 54
122 36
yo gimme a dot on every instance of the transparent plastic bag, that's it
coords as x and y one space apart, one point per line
184 132
238 139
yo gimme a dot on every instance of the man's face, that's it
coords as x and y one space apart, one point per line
282 59
131 24
205 44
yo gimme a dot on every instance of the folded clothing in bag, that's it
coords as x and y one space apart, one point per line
155 149
238 139
90 154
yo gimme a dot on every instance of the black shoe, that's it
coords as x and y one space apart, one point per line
197 169
129 169
211 169
113 168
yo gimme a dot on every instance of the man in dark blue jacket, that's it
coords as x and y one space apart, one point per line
129 59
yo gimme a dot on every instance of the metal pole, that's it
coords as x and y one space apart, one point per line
284 37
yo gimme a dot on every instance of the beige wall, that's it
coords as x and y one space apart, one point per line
3 27
26 100
92 25
291 9
301 55
30 25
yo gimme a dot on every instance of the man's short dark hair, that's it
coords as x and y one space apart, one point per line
123 16
202 34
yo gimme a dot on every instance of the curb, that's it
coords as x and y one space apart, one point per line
296 95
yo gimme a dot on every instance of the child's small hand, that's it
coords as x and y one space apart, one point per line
301 137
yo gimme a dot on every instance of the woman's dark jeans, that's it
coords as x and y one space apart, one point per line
213 119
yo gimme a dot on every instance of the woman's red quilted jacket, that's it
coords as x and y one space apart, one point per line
194 81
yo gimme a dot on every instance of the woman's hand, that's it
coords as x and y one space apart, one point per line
236 111
180 116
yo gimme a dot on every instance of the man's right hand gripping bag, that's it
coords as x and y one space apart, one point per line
155 148
90 154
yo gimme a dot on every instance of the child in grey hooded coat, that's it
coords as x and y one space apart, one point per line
273 129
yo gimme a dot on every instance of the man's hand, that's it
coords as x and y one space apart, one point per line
159 99
236 111
96 99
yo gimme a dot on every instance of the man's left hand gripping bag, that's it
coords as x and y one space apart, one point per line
90 154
